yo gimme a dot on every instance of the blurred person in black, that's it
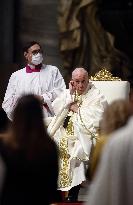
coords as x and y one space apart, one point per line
30 157
3 121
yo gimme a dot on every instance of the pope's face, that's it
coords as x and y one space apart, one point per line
80 81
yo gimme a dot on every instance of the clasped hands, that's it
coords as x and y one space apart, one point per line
73 107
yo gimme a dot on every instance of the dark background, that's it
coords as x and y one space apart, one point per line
23 20
117 18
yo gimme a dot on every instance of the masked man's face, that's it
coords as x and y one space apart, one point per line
33 50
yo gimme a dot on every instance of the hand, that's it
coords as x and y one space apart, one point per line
72 87
73 107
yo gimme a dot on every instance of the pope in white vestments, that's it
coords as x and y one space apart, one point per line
45 81
83 104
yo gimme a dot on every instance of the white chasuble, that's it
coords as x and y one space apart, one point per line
75 141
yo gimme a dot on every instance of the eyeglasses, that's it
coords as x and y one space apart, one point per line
37 51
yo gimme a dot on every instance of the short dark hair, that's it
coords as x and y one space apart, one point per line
29 44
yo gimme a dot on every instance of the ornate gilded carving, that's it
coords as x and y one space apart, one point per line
104 75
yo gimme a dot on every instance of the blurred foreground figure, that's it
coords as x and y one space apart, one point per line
30 157
113 183
78 111
114 116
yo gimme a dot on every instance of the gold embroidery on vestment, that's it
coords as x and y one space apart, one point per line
65 178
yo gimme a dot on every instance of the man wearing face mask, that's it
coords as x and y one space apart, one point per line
45 81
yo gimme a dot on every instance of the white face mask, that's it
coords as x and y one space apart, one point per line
37 59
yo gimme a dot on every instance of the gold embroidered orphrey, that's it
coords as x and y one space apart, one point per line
65 175
65 178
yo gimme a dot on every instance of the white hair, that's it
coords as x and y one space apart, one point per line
79 70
